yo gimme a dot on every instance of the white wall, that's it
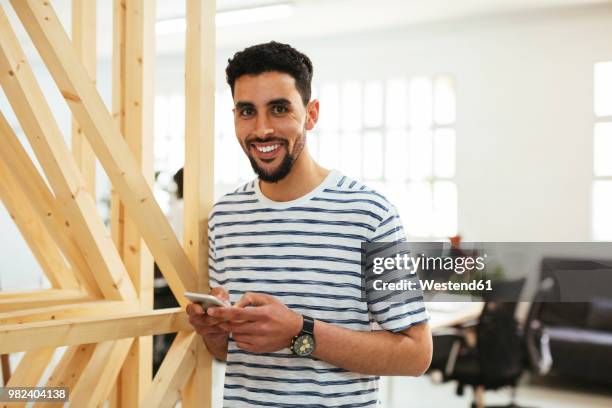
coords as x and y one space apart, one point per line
524 106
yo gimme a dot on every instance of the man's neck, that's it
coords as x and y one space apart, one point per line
305 176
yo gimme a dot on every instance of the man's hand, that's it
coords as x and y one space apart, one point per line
260 323
214 331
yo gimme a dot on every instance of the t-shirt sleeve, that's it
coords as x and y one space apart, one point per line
394 315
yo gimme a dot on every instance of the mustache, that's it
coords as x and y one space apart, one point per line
256 139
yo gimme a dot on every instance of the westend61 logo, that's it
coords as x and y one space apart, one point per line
422 262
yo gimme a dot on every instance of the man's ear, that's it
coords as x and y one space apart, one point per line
312 114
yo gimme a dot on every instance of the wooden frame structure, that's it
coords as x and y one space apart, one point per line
101 303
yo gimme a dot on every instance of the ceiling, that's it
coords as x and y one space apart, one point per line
317 18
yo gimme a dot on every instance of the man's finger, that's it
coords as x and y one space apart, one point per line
253 299
235 313
194 309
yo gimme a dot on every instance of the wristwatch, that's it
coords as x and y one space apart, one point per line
304 343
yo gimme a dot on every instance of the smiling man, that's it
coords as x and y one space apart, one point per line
285 248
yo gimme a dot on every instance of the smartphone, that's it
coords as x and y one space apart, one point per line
205 301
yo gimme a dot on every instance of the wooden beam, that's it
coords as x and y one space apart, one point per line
49 297
174 372
67 332
138 60
68 370
199 169
6 368
46 206
31 368
34 114
32 229
47 33
99 308
100 374
84 41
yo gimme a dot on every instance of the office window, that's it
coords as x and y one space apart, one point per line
602 153
398 136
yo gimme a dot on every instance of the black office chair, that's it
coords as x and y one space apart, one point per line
497 358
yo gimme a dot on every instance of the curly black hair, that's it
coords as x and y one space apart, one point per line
272 56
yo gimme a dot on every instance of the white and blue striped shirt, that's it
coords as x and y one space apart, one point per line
307 254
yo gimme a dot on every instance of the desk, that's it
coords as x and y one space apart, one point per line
447 314
443 315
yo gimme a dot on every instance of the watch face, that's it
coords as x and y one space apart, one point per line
304 345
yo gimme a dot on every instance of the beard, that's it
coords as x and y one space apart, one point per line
284 168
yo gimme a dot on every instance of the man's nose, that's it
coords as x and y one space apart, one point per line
262 128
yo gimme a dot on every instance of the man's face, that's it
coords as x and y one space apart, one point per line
271 122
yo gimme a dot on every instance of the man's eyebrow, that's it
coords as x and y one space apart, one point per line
279 101
241 105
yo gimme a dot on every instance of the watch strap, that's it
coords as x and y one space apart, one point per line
308 325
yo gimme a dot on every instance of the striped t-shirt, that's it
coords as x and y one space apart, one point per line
307 254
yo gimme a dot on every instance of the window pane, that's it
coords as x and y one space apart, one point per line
602 216
602 149
330 107
373 104
444 153
418 213
351 106
396 103
603 89
420 102
396 151
444 100
329 146
373 155
445 209
419 155
351 154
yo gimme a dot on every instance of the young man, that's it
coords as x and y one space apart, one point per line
287 248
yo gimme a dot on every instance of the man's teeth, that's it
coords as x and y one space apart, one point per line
266 149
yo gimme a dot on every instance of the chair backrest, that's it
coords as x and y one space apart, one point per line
499 342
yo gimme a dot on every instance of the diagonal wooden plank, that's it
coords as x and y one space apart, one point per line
199 169
34 114
174 372
100 374
52 43
29 371
44 203
68 332
84 40
32 229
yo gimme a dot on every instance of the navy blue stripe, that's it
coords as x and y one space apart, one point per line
292 281
385 222
299 381
292 257
293 269
352 183
395 305
326 308
362 188
235 193
401 316
298 209
302 294
289 368
329 190
293 233
292 405
237 202
386 234
341 182
273 355
355 200
296 221
299 393
291 245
